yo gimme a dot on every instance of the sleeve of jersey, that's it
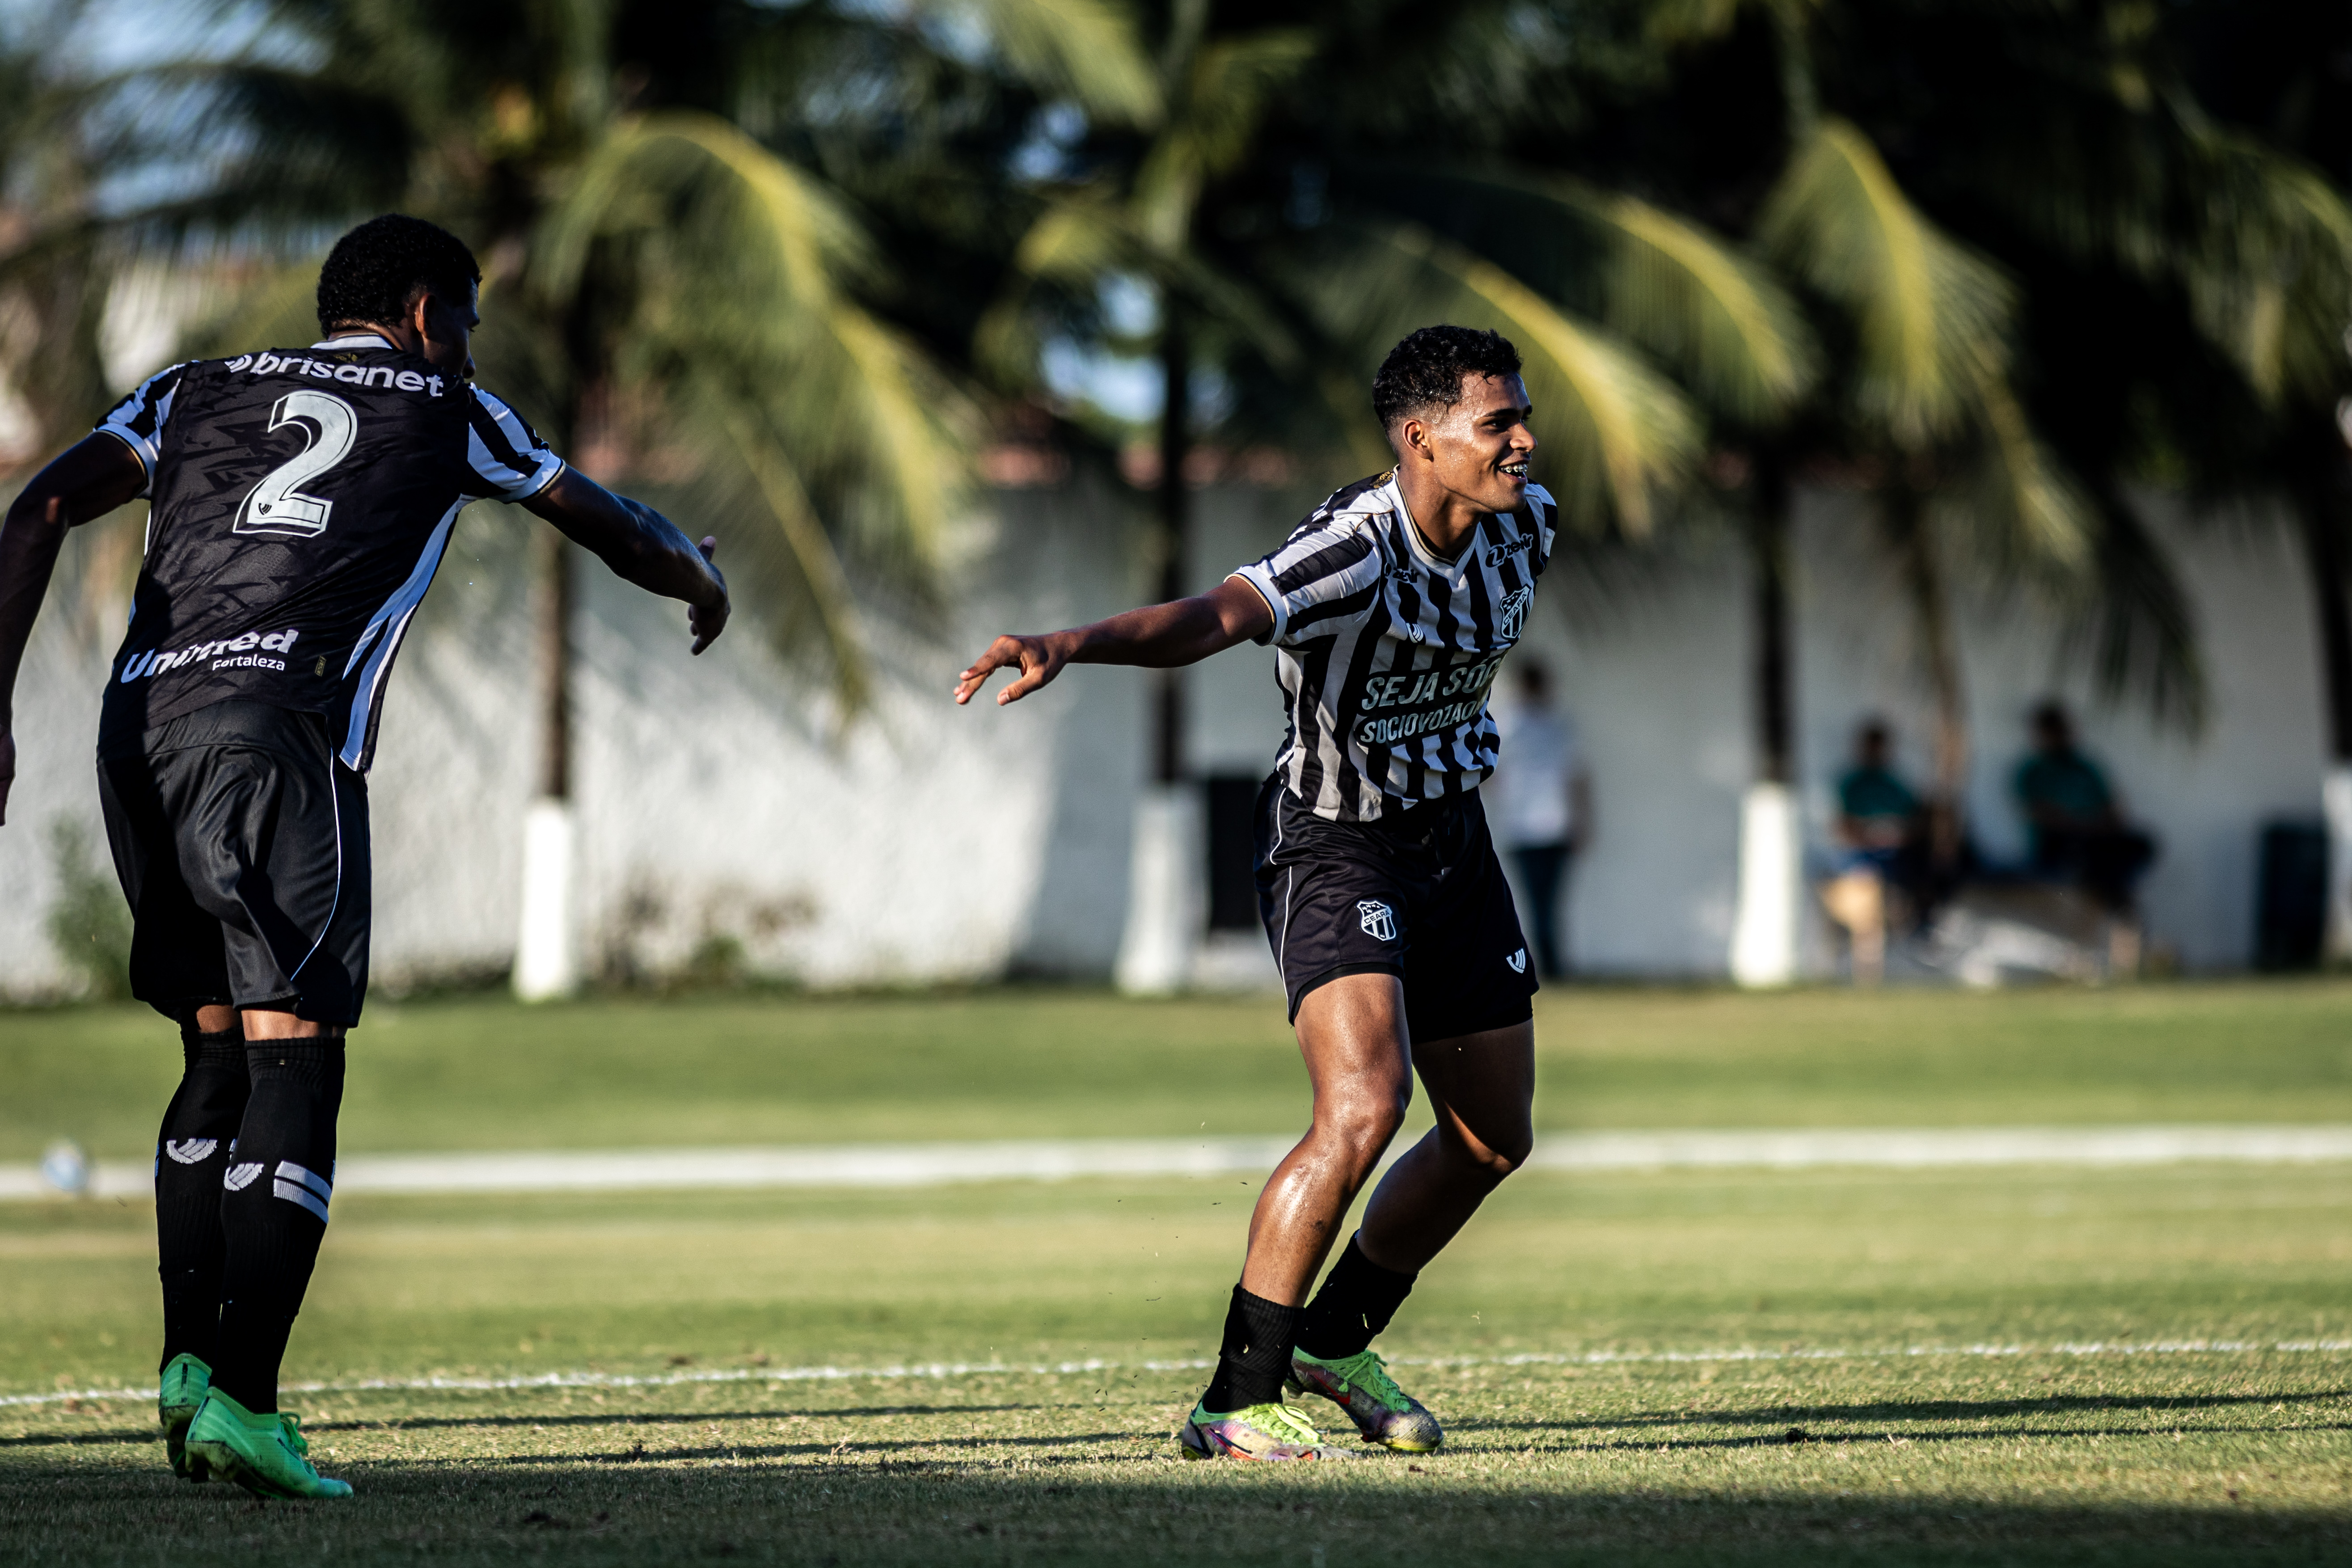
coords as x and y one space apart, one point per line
1547 514
139 419
1321 576
508 461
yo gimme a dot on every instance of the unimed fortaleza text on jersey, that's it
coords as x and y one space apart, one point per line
298 503
1386 650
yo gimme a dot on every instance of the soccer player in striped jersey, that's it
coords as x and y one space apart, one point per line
1389 609
298 503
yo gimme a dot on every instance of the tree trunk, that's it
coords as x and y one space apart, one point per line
2321 509
1175 518
1168 871
1905 519
552 649
1766 915
1772 671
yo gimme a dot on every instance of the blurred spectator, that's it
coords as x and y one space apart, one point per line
1546 798
1876 875
2074 824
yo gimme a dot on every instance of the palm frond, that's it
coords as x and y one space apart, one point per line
1215 111
744 327
1718 317
1084 50
2022 506
2269 280
2136 629
1615 433
1925 309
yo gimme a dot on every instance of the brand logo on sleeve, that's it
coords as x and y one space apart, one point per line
1377 920
1518 962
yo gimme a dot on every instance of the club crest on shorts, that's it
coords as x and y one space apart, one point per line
190 1151
240 1177
1518 962
1377 920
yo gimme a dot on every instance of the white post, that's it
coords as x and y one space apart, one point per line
2336 797
1766 921
1166 904
546 958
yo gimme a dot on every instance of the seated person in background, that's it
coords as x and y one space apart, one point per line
1547 806
1878 825
2074 824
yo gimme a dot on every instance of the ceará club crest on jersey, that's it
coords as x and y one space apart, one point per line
1511 615
1377 920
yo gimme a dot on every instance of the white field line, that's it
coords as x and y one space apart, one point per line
933 1165
944 1371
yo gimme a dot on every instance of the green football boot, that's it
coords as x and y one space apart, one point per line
185 1382
1260 1432
265 1455
1360 1385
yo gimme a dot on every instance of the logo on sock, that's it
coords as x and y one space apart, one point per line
307 1187
1518 962
190 1151
240 1177
1377 920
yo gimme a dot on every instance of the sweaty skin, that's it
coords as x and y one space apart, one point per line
1455 466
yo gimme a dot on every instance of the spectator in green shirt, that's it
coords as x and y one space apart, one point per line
2074 826
1875 875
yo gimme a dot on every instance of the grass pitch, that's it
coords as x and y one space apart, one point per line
2013 1365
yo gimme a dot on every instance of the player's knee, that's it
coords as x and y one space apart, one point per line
1366 1121
1496 1155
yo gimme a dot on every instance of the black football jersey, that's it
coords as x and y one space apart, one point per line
298 503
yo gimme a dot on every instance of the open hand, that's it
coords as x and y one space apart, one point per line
707 621
1038 659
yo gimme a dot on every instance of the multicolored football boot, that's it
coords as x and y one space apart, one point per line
185 1382
1360 1385
265 1455
1260 1432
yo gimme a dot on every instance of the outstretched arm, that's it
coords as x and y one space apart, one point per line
90 479
641 546
1160 636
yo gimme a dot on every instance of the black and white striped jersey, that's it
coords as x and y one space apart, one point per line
298 503
1386 652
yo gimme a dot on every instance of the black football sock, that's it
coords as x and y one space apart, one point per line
1357 1298
191 1150
273 1207
1255 1355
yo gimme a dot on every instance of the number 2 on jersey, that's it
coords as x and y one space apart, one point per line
277 504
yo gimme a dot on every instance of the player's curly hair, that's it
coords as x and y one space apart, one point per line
380 268
1426 370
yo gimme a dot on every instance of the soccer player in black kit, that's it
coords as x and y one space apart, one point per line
298 503
1390 609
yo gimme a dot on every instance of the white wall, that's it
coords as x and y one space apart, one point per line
938 843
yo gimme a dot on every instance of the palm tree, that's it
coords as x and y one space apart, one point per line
663 279
1920 402
1295 300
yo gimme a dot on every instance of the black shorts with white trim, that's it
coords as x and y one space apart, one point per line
1416 893
242 844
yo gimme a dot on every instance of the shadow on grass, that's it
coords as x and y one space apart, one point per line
1130 1510
1977 1409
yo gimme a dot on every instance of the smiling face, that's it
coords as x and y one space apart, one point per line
1476 450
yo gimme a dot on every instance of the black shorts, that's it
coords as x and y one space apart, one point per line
242 844
1417 894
